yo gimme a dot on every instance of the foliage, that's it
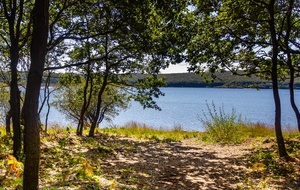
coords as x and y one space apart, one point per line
52 26
69 99
238 36
247 35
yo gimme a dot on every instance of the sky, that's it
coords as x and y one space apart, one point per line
178 68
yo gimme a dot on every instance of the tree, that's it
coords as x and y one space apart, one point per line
15 20
69 27
38 50
122 46
243 35
70 98
288 44
45 99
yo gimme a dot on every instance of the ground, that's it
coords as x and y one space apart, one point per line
189 165
110 162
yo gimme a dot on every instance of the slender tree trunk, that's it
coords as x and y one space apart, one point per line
280 141
86 101
290 64
99 103
48 112
34 80
292 96
7 122
46 99
101 91
15 102
13 13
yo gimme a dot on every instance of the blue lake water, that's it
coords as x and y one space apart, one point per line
185 106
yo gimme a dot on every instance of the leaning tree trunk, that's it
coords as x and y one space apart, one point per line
34 80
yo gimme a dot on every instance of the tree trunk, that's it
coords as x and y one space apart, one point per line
99 103
292 97
7 123
15 101
32 131
86 101
13 13
280 141
290 64
100 93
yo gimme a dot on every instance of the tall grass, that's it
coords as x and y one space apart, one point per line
220 126
142 131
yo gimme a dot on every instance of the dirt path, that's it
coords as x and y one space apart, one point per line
178 165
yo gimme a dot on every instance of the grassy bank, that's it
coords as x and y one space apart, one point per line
139 157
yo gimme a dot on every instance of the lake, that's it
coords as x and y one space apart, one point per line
185 106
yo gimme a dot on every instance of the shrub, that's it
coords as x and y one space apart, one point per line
220 126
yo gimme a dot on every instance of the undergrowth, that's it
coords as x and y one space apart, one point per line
265 165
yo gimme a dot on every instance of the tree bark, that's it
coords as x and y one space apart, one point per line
15 102
86 101
7 123
13 12
99 104
280 141
101 91
32 131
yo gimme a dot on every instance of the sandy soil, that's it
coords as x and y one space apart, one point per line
185 165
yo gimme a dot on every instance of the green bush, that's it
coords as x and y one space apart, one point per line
220 126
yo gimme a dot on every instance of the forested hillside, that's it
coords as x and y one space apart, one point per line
222 80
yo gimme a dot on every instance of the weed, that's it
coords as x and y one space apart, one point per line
222 127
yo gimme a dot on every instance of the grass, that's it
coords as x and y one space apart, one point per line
142 131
